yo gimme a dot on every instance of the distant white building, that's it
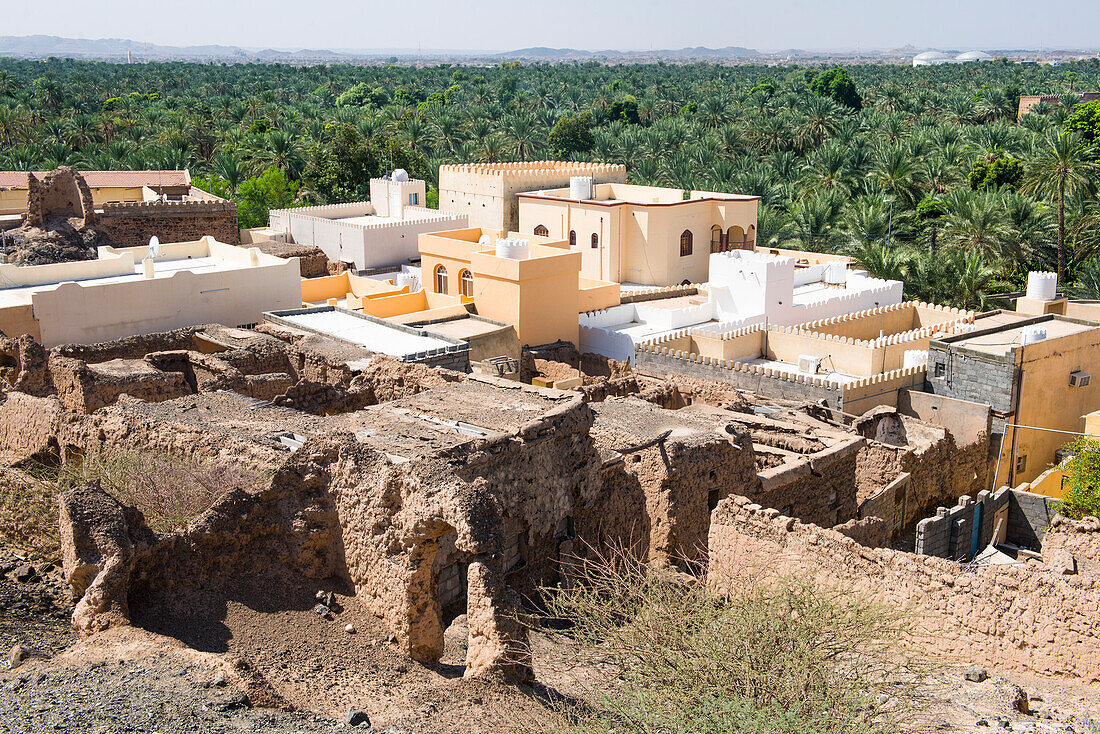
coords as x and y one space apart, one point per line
935 58
371 234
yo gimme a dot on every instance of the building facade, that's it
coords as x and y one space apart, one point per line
486 192
126 292
641 234
1035 373
369 234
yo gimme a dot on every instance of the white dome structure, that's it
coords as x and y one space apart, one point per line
973 56
931 58
400 174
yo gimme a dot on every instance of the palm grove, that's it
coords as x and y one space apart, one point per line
923 174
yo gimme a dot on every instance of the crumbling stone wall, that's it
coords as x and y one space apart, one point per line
131 224
939 470
1015 618
818 488
85 388
1073 546
63 193
675 476
24 366
340 511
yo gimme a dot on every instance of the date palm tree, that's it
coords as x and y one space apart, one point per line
1063 169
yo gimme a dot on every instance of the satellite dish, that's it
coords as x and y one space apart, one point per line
154 246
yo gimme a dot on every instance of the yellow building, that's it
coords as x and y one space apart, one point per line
1036 373
532 283
641 234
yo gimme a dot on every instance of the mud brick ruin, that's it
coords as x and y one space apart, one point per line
427 493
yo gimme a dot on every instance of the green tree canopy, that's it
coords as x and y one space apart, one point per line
572 134
993 173
837 83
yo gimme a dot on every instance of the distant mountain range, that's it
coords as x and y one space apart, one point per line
116 49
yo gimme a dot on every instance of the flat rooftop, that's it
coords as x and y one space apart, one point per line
372 334
460 328
21 295
619 193
1003 340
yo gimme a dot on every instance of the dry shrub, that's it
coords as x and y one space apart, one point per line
28 514
169 489
781 656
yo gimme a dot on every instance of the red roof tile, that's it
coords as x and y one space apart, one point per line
106 179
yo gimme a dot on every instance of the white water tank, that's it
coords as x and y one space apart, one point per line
485 240
513 249
1034 334
412 280
836 274
1042 286
400 175
580 187
915 358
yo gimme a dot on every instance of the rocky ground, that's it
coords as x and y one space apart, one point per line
299 668
61 240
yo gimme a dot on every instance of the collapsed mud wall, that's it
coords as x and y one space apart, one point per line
1014 617
939 471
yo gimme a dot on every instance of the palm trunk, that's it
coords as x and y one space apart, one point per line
1062 232
932 241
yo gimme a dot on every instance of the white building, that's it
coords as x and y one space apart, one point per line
935 58
371 234
746 288
131 290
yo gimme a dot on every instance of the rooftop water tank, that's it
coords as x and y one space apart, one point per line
1034 334
1042 286
400 174
485 240
836 274
915 358
580 187
513 249
412 280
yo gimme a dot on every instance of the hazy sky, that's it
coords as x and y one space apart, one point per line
587 24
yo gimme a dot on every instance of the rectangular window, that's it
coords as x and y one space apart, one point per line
1021 464
940 369
414 199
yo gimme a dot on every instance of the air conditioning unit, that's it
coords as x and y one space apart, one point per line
809 364
1079 379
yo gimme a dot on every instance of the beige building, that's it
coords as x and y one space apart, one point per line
532 283
486 192
641 234
125 292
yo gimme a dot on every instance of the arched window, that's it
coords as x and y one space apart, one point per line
541 231
466 283
750 237
595 240
441 279
716 239
736 238
572 238
685 243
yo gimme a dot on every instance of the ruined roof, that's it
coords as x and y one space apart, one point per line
106 179
627 422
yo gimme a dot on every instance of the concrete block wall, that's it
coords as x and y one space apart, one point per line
980 379
948 533
1029 517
